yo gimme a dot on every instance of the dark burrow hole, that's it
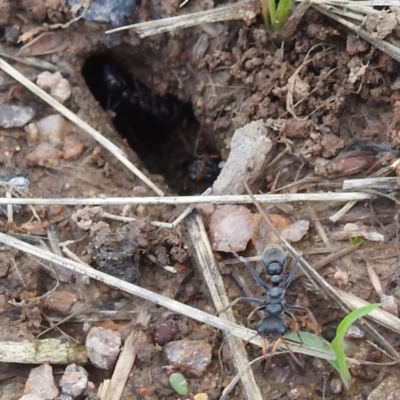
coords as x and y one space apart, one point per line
162 130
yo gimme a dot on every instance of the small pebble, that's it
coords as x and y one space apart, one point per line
294 394
58 86
231 228
102 347
111 11
192 356
41 382
15 116
44 154
166 331
16 180
72 148
32 397
74 381
52 129
63 397
336 385
200 396
296 231
342 278
60 301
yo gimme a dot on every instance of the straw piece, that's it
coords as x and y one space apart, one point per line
201 316
205 261
175 200
246 10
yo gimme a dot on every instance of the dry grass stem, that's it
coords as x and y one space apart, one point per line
332 12
111 147
340 11
205 261
175 200
245 9
173 305
380 183
377 176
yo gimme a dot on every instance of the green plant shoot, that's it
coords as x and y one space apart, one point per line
336 347
337 343
274 13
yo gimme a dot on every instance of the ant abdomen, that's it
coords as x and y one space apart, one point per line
271 326
274 260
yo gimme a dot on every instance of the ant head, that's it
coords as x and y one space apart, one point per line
271 326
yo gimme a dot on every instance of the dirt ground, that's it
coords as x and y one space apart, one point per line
219 77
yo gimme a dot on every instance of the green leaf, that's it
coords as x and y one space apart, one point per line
281 12
179 384
356 240
337 343
315 342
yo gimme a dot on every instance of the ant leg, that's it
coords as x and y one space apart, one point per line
293 270
264 346
252 271
254 311
310 314
282 340
248 299
296 325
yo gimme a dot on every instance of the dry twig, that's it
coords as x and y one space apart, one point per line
214 199
206 264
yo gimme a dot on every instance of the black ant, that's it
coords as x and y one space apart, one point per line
273 326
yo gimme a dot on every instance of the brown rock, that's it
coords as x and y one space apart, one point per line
41 382
231 228
191 356
60 301
103 346
44 154
72 148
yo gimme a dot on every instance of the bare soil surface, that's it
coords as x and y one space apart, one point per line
322 94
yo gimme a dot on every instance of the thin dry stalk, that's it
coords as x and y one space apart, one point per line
201 316
379 174
319 227
246 10
204 258
383 45
382 184
175 200
111 147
